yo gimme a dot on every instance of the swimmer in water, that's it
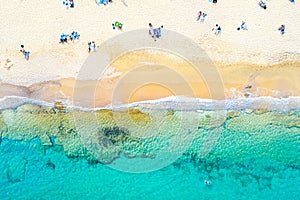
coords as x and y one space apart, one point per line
207 182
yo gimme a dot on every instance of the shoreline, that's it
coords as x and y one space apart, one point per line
278 81
256 105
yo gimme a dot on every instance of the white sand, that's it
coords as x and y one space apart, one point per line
38 24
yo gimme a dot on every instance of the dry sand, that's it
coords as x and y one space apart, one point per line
257 62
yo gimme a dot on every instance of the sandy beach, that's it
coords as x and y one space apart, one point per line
257 62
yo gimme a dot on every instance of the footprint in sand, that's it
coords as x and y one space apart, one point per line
8 64
251 85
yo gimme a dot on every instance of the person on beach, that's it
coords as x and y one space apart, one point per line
66 3
74 36
151 30
92 46
155 32
118 25
64 38
217 29
159 31
282 29
104 2
25 53
22 50
201 16
72 4
262 4
89 45
243 26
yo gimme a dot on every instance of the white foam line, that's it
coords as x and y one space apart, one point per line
172 102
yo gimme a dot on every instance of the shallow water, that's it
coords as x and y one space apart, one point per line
186 154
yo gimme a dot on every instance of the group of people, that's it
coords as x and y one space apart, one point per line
201 16
243 26
104 2
213 1
155 32
69 3
92 46
118 25
25 53
65 37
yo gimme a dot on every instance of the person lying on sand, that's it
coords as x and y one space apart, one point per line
282 29
118 25
64 38
262 4
243 26
74 36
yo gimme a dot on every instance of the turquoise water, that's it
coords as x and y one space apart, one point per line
254 156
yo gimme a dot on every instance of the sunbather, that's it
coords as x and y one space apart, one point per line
64 38
243 26
282 29
74 35
262 4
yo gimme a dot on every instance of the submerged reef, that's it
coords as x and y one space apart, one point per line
103 134
211 140
253 147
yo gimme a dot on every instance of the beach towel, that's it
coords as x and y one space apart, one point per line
156 32
103 1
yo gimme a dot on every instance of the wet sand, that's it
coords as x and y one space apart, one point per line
147 76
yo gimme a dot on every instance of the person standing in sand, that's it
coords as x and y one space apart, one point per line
217 29
89 44
93 45
24 52
151 30
199 15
